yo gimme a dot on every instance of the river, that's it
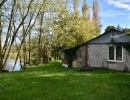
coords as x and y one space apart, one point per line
10 64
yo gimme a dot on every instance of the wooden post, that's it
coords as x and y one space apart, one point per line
86 54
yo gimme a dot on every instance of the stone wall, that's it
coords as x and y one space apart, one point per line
98 57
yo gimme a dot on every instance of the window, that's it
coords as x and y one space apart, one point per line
111 53
115 53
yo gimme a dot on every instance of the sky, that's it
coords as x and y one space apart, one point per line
113 13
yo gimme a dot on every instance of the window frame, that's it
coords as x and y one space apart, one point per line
115 60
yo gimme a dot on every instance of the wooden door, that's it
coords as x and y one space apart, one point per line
86 56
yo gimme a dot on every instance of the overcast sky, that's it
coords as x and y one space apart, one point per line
114 12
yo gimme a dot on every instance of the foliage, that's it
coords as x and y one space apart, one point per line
109 28
85 10
30 29
127 30
96 13
76 6
74 30
47 82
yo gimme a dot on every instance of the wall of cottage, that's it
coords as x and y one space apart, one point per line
79 60
98 57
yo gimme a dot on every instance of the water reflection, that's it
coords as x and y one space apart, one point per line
10 64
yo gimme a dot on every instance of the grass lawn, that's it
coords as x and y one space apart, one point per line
53 82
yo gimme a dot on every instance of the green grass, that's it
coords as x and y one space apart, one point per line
53 82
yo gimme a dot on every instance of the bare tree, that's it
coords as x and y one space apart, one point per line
11 32
32 21
4 48
2 3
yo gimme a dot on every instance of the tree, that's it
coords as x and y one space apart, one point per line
127 30
85 10
109 28
76 6
74 30
38 29
96 12
13 27
1 56
119 28
1 26
26 30
2 3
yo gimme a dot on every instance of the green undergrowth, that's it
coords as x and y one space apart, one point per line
53 82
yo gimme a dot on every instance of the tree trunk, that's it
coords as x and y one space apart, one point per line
29 51
45 54
1 58
40 48
2 3
24 47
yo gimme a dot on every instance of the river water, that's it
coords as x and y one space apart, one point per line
10 64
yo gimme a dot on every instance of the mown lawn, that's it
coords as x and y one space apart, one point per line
53 82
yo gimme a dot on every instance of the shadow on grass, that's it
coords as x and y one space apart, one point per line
53 82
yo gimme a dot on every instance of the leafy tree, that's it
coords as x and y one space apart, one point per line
76 6
85 10
109 28
96 12
74 30
38 29
127 30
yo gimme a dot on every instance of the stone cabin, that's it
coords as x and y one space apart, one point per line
109 50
